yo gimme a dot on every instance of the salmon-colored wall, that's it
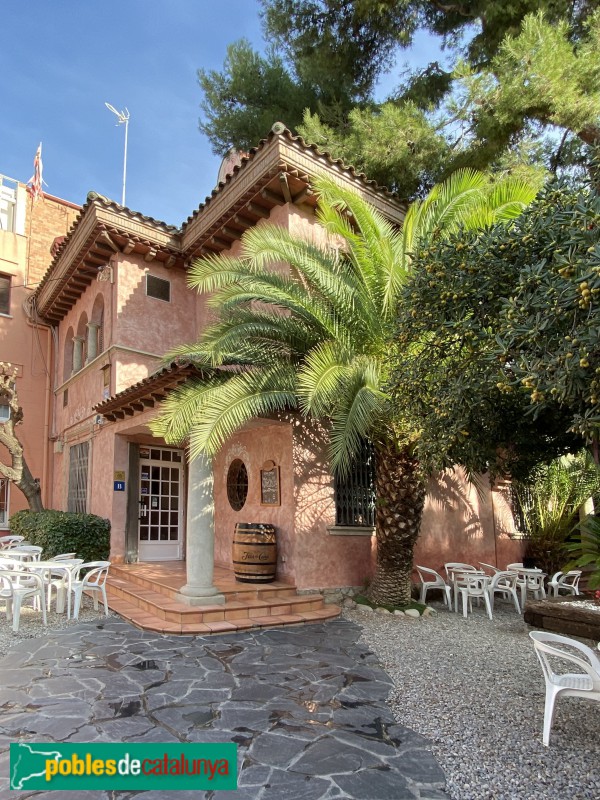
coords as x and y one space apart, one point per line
322 559
146 323
110 452
73 322
263 441
464 525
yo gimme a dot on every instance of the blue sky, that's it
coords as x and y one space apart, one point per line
61 61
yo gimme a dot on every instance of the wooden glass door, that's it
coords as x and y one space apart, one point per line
160 503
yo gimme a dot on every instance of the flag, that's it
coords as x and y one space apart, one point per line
34 184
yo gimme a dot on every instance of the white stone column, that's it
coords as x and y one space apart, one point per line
77 353
92 341
200 548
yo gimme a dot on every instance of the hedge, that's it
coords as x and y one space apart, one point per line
87 535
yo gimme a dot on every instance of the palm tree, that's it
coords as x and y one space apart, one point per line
316 339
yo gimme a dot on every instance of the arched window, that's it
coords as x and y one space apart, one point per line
80 343
237 484
68 355
95 341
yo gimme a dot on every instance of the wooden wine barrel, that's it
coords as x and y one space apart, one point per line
254 552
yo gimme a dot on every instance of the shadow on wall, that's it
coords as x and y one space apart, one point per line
454 506
313 484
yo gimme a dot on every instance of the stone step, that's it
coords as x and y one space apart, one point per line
156 611
161 605
232 590
146 620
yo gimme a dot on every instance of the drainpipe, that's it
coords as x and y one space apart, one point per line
36 326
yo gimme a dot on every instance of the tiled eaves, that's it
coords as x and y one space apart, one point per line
247 194
97 200
148 392
280 132
102 228
279 171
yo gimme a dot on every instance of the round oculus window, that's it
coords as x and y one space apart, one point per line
237 484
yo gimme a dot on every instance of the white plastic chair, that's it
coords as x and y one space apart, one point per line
452 569
15 587
514 567
470 585
58 580
531 580
504 583
490 567
6 542
93 581
585 683
437 583
569 581
451 566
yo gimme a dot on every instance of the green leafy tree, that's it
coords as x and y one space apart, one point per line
584 550
242 102
502 330
316 340
13 466
523 82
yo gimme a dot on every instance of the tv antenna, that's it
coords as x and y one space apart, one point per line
122 119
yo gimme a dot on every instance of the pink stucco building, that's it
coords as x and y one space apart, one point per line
28 232
115 297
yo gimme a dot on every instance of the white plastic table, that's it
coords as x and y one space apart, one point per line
65 566
19 555
523 581
458 580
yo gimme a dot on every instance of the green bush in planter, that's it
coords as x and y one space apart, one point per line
63 532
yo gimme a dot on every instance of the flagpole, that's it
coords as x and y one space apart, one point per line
125 159
122 119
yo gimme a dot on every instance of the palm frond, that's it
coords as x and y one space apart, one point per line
212 272
271 332
321 377
179 411
510 196
356 413
238 400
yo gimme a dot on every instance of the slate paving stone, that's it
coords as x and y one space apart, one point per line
418 766
376 784
284 785
121 730
276 749
256 692
183 718
253 774
88 733
306 707
325 757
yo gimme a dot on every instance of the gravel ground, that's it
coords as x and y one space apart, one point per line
31 626
475 688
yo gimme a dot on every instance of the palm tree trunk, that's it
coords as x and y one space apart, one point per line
400 498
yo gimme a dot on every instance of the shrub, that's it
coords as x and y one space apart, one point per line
63 532
585 550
